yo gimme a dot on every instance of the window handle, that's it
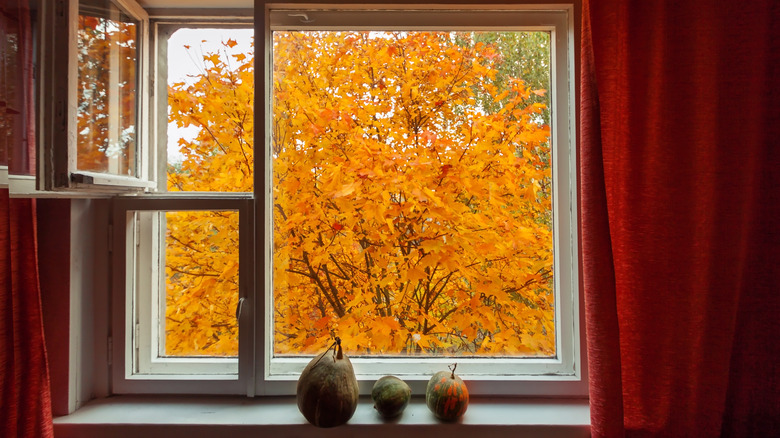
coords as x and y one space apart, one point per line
304 18
238 307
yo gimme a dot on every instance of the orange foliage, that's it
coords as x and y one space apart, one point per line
202 283
202 246
407 219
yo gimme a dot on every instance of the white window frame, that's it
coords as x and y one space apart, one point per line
137 310
138 282
163 24
256 374
558 376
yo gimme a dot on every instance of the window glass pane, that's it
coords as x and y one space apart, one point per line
412 193
210 110
107 86
201 284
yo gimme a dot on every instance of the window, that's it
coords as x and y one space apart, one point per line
101 100
402 178
181 273
421 194
106 113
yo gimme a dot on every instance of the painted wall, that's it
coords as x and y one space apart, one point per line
54 271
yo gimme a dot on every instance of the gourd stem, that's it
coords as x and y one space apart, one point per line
339 354
336 353
452 368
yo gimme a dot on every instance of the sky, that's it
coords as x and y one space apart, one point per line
184 63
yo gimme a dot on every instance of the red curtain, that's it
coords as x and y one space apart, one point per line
680 157
25 400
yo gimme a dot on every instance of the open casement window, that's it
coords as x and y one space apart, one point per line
94 64
417 196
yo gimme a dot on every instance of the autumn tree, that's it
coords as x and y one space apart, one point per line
523 55
406 217
409 217
202 246
202 283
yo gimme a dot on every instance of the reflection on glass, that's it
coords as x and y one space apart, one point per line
107 86
201 264
10 95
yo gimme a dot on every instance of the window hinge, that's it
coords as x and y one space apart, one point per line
137 231
110 354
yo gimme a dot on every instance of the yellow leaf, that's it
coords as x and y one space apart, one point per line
346 189
416 274
432 245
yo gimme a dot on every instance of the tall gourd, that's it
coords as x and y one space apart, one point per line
327 390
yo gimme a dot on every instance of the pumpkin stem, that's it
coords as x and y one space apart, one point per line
452 368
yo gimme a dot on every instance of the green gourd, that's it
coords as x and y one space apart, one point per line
390 395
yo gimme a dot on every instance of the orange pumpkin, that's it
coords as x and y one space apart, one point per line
446 395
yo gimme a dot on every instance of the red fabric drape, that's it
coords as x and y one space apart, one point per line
680 121
25 400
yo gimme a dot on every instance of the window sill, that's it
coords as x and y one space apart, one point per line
156 416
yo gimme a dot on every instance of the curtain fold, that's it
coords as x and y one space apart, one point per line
25 399
598 274
680 116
